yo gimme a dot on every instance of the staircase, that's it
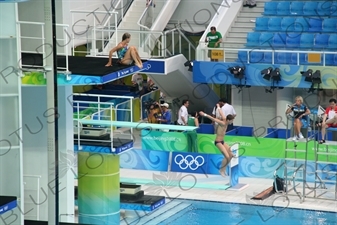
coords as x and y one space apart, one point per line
130 24
236 38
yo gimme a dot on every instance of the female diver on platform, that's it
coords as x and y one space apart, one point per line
126 55
220 137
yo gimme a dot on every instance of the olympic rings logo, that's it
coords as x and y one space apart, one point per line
189 161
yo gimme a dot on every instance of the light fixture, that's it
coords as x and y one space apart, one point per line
275 75
313 78
237 71
189 64
307 74
266 73
316 77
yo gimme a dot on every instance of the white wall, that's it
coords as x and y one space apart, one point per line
35 117
33 11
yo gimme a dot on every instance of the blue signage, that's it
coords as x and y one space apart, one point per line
7 207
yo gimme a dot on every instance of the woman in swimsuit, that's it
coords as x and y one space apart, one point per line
127 55
220 137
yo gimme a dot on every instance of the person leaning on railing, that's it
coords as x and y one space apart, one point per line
214 38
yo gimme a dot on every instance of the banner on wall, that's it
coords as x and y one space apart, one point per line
249 146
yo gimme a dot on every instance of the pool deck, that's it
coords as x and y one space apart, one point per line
255 186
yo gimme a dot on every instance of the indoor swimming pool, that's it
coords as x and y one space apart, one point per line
196 212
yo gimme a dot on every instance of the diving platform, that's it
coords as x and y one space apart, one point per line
80 70
7 203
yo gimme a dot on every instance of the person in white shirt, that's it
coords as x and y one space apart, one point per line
183 113
227 109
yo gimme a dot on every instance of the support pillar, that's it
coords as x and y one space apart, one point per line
98 188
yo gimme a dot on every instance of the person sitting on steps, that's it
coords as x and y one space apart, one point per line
126 55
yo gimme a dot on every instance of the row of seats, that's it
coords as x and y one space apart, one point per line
292 40
300 24
283 58
307 8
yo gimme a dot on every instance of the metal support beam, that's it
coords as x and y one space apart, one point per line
50 62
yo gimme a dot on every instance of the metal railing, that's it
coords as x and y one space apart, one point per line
37 203
202 54
99 110
88 34
36 44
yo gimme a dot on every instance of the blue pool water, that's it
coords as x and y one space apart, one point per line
191 212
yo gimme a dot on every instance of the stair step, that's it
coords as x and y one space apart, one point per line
241 29
253 10
237 35
244 19
241 40
244 25
249 15
233 45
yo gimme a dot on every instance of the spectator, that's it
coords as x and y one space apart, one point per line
301 113
165 114
214 38
192 136
250 4
138 82
329 118
183 113
227 109
154 113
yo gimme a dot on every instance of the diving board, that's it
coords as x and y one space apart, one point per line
136 125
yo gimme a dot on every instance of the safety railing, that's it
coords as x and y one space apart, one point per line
202 54
99 107
32 41
87 33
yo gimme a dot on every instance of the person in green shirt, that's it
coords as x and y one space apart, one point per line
192 141
214 38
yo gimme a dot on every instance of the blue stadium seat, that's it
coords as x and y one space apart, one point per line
266 39
270 8
301 25
333 9
302 59
293 40
242 56
261 23
253 39
268 57
332 42
283 8
315 25
309 8
324 8
296 8
307 41
330 25
274 24
282 58
288 24
329 59
279 40
321 41
256 57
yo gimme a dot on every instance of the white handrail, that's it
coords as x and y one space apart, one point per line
143 14
38 177
104 96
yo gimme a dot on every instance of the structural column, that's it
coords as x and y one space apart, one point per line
11 173
98 188
283 97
